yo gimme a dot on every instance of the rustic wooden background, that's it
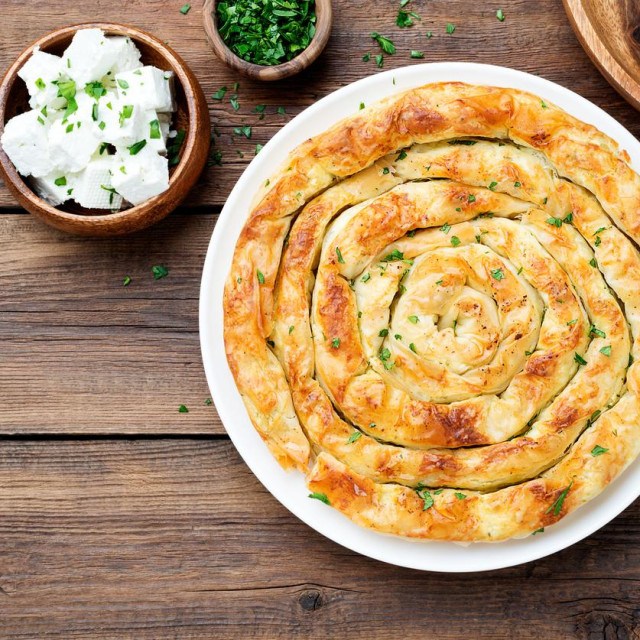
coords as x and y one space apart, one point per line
122 518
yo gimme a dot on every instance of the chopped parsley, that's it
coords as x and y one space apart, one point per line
598 451
339 254
497 274
136 147
40 83
445 228
455 241
451 28
417 54
335 343
385 44
125 114
554 222
405 18
606 351
593 330
579 359
500 15
556 507
123 84
184 9
383 333
183 409
572 322
361 106
159 271
385 171
427 497
127 281
260 276
380 60
493 185
154 130
291 328
460 496
414 319
366 277
60 182
366 57
402 155
208 402
320 496
269 32
517 184
354 436
412 347
219 94
471 198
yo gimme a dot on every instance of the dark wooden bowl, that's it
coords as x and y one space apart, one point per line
192 115
324 20
609 31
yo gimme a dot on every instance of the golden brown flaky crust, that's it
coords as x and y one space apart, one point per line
435 305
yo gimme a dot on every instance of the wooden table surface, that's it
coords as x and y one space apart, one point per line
121 517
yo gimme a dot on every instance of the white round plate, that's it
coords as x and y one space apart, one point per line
289 487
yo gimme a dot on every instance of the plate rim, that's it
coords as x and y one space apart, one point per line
414 554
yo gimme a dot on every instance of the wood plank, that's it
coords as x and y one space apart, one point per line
80 352
175 538
535 36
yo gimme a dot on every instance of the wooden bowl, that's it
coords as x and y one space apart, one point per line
609 31
192 115
324 20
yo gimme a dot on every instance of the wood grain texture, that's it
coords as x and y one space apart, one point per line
536 36
175 539
80 352
324 21
609 30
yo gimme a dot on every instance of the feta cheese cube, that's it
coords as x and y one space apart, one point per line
128 55
94 189
141 176
25 141
73 140
149 87
38 73
90 56
55 188
120 122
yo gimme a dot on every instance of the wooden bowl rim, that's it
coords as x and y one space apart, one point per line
324 16
177 65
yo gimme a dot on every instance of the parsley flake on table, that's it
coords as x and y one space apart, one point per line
234 102
417 54
500 15
366 57
184 9
183 409
219 94
208 402
268 32
385 44
451 28
127 281
380 60
258 149
405 18
159 271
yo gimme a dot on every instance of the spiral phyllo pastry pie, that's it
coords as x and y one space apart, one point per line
433 312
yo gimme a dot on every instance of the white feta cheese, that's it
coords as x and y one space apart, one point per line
141 176
149 87
73 140
55 188
90 56
119 122
128 55
25 141
94 188
39 72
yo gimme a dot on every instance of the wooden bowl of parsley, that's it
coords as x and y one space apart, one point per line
268 39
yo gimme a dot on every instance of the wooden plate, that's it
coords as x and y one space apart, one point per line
609 31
